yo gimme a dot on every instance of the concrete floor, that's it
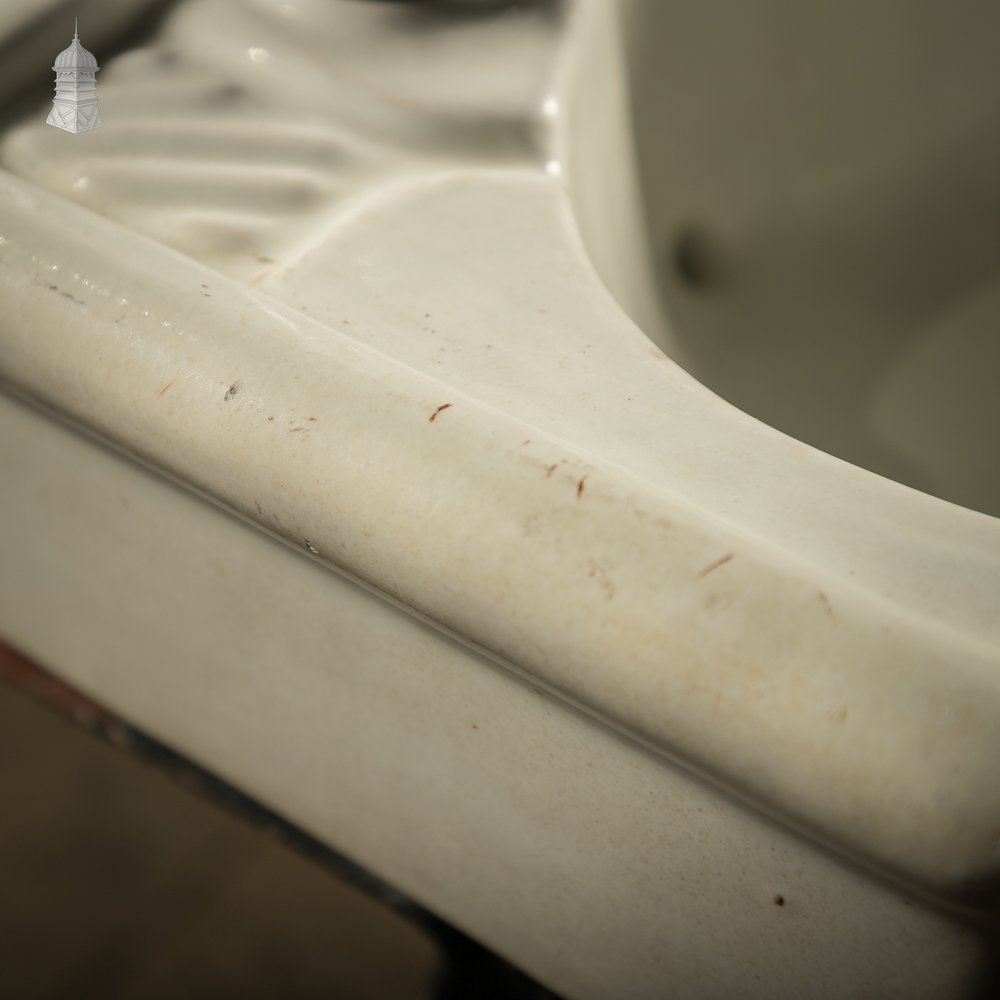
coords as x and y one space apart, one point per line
117 882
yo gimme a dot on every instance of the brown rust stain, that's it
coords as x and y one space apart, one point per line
597 572
443 406
825 601
165 388
711 567
579 487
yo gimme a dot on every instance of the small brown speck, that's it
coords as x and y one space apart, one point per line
443 406
579 487
779 900
552 468
204 286
721 561
265 260
311 418
525 441
295 430
270 420
233 391
167 386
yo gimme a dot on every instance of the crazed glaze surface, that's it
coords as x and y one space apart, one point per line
383 342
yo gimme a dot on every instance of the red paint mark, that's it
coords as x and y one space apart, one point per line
167 386
579 487
443 406
714 566
43 687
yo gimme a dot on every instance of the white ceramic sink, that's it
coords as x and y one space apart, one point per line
343 450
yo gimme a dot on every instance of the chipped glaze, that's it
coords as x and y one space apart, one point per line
347 301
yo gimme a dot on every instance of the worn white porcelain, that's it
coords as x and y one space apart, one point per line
649 696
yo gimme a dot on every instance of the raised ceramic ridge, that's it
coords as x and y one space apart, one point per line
851 714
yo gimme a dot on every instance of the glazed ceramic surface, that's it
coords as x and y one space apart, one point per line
589 660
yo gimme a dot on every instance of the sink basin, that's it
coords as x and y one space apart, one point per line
364 439
813 207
